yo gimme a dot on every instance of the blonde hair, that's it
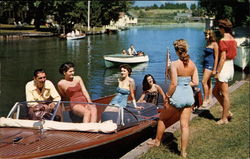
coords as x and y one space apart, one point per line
181 47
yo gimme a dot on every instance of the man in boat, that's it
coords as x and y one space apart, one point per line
41 89
132 51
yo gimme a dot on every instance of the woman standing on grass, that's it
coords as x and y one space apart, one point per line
210 65
225 69
179 97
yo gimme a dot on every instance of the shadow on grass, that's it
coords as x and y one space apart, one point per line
170 142
205 114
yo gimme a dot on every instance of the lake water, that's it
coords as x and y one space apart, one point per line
19 58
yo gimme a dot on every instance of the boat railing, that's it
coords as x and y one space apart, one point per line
20 110
123 117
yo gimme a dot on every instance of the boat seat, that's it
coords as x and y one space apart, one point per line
131 115
24 111
69 116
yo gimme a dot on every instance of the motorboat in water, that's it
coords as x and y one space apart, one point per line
117 59
23 138
76 37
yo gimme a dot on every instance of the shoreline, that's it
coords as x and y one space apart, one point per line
23 34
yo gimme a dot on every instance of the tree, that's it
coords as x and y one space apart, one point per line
193 6
235 10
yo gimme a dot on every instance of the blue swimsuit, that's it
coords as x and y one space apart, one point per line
209 59
183 95
121 97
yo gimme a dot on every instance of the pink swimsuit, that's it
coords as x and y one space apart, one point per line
75 95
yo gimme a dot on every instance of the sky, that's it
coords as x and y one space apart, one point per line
150 3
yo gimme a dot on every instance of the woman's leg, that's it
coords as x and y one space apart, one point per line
93 112
165 116
209 83
217 92
184 121
220 91
160 131
206 77
82 111
226 104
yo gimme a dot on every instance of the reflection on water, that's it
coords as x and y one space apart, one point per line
111 74
19 58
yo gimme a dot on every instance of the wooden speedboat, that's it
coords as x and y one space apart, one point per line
40 142
117 59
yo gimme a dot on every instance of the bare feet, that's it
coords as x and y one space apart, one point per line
221 122
184 154
205 103
154 142
230 116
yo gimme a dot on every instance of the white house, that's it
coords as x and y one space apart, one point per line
124 21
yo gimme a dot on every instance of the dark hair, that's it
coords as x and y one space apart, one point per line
37 71
127 67
65 67
145 84
226 25
181 47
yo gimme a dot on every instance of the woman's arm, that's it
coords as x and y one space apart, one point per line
195 79
84 90
60 89
131 88
142 97
216 56
159 89
221 63
173 83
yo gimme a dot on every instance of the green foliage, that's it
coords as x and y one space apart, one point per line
193 6
235 10
66 12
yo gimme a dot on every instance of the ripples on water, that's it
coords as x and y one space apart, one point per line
19 58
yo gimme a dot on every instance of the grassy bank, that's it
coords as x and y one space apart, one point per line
211 141
160 16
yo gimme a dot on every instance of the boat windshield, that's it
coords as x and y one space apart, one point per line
62 111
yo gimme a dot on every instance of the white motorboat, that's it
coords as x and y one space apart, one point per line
117 59
75 37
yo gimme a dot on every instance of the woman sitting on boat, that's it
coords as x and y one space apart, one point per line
126 87
73 89
151 90
179 97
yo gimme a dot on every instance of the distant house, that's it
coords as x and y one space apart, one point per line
124 21
183 16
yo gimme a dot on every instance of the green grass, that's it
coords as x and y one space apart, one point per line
211 141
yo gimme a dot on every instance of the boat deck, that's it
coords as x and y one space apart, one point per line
57 142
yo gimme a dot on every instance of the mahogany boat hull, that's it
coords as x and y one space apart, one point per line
31 143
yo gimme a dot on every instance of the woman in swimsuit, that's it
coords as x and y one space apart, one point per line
210 65
126 87
151 90
73 89
179 97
